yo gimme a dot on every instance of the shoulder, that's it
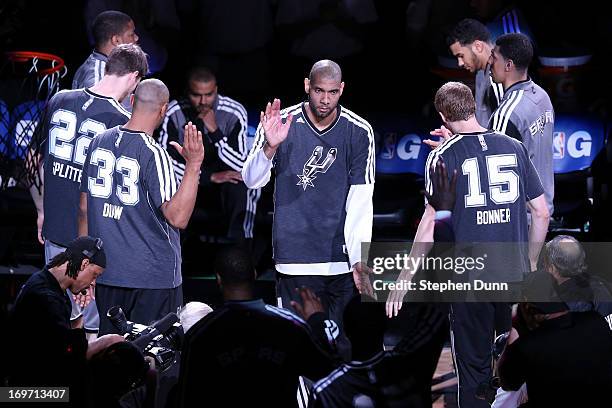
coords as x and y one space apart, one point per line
118 108
65 95
174 107
355 120
293 110
230 105
285 315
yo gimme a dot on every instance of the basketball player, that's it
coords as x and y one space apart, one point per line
129 197
496 184
323 155
72 119
223 122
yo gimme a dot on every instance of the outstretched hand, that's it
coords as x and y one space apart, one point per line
192 149
443 194
275 130
442 132
310 305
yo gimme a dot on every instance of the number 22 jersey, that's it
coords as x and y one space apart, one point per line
127 178
72 119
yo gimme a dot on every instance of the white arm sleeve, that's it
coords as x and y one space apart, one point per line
358 223
257 169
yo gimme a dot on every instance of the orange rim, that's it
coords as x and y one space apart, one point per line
24 56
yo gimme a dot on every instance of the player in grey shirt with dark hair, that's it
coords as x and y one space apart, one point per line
110 29
471 43
129 197
525 112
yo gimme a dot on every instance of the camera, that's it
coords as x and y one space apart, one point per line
161 341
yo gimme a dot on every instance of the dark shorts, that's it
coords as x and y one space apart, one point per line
142 306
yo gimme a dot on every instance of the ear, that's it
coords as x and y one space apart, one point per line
164 108
132 99
341 87
218 279
115 40
478 47
442 117
306 85
508 65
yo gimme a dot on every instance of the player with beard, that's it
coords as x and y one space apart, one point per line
323 156
223 123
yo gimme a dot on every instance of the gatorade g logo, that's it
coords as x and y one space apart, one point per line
578 144
316 164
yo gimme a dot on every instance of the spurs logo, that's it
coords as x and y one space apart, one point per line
315 165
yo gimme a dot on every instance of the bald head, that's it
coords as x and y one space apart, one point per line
150 96
325 69
567 255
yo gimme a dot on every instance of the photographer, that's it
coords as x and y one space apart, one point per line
45 349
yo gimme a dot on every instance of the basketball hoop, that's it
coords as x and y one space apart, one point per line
29 79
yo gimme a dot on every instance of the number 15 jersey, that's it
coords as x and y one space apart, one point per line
127 177
72 119
495 179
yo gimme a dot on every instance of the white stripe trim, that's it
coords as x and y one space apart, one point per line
158 167
510 110
242 134
167 234
501 110
371 149
242 115
120 108
433 157
369 169
287 315
325 382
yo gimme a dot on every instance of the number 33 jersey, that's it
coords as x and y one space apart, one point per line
127 177
72 119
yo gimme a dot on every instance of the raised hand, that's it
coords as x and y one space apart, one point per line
275 130
442 132
192 149
443 194
310 305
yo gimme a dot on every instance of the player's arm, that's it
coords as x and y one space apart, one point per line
35 167
271 132
538 207
34 164
540 218
359 207
178 207
82 217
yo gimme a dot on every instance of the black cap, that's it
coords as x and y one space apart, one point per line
89 247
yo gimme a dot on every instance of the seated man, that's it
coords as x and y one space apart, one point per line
43 308
564 258
247 353
564 357
223 122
